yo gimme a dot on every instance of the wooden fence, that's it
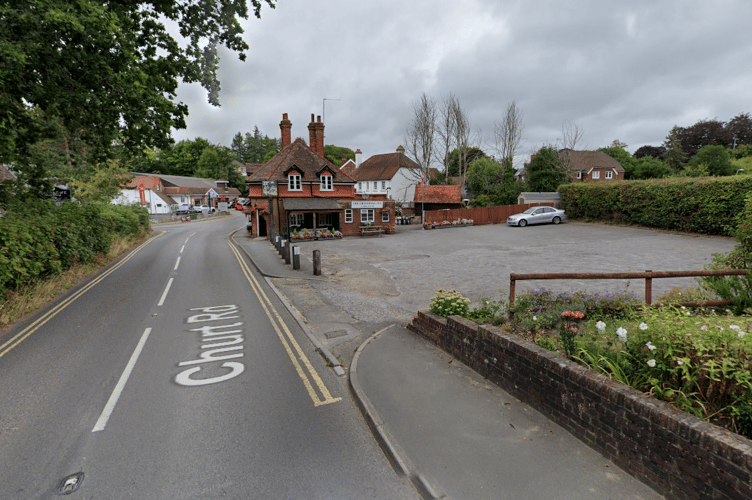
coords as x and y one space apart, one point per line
480 215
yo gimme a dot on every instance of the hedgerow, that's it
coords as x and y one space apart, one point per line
705 205
43 239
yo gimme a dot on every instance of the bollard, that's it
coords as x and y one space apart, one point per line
296 257
276 242
317 262
282 248
286 253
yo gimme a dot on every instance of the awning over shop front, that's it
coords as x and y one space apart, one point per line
309 204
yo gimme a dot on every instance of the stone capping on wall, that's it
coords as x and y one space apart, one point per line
677 454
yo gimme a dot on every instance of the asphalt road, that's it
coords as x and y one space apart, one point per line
177 373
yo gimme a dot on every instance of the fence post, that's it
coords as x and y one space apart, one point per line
286 252
512 281
648 289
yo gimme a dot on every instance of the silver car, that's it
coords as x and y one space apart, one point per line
537 215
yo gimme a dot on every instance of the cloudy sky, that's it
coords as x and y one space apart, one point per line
627 70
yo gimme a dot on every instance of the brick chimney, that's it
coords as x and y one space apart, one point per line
284 126
316 136
358 156
401 150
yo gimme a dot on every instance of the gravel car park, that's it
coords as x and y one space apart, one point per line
537 215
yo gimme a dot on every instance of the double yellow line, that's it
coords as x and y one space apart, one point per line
287 339
36 325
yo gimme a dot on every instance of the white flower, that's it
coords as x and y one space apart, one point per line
678 362
683 307
740 334
704 328
643 326
651 363
689 313
621 333
650 346
535 318
735 328
601 326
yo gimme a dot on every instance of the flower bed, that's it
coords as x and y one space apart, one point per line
447 224
317 235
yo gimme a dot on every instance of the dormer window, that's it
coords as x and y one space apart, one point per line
326 183
293 183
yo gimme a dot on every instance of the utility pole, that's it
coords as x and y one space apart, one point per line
323 110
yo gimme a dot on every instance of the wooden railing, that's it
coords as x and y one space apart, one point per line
648 276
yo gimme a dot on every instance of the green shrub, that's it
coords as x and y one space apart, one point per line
450 303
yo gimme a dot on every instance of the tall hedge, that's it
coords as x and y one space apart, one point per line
43 239
705 205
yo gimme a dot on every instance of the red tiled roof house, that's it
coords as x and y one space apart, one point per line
300 189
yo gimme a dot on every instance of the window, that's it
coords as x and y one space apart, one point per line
326 183
360 186
579 174
296 219
348 216
366 215
324 219
609 175
596 174
383 185
293 183
385 216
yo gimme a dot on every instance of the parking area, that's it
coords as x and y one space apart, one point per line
410 266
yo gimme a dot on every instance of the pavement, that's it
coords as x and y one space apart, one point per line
453 433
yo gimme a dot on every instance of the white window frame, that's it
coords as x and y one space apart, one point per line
609 175
579 174
360 186
367 215
327 183
294 183
296 220
348 216
596 174
383 185
385 216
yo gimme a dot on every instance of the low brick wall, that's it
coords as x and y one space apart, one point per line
677 454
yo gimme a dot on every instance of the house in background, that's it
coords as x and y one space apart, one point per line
586 166
300 189
593 165
390 176
198 191
148 191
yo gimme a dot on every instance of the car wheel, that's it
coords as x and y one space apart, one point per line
522 223
556 220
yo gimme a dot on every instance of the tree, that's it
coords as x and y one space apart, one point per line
257 145
651 151
648 167
445 131
335 154
470 155
421 132
571 135
674 155
703 133
99 183
461 134
547 170
715 159
107 71
740 130
483 175
508 135
620 154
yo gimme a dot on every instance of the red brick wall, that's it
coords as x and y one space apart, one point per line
353 228
677 454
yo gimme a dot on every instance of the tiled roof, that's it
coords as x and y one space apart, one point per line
300 156
587 160
383 167
438 194
5 175
149 181
349 168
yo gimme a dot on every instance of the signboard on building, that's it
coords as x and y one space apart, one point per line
269 188
367 204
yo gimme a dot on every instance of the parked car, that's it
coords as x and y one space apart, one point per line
537 215
206 209
183 210
239 206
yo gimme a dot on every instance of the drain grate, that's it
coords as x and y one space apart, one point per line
70 483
